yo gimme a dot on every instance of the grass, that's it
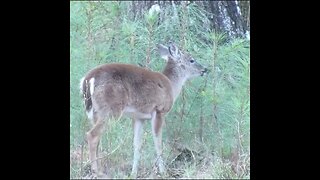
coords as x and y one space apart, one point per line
117 152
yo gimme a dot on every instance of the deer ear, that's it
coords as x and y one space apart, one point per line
164 52
174 51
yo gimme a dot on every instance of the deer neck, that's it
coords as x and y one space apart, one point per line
176 77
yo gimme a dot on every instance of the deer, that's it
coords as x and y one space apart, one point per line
113 90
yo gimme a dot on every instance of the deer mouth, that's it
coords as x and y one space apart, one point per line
203 72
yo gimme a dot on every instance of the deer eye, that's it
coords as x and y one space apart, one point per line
191 61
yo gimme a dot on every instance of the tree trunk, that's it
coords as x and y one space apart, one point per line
245 13
237 23
216 18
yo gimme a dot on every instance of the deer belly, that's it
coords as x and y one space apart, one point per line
134 113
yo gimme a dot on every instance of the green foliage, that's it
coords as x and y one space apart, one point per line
213 112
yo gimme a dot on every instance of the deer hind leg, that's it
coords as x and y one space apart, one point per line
137 142
157 122
93 137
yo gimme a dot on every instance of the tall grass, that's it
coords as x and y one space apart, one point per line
210 118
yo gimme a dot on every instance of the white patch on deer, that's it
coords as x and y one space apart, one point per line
91 84
132 112
90 113
81 86
165 57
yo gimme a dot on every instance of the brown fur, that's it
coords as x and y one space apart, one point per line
119 85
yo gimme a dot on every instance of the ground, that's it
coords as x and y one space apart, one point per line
185 163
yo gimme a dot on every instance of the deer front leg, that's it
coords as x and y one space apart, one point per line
137 141
157 121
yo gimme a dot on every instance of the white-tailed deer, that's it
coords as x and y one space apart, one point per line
112 90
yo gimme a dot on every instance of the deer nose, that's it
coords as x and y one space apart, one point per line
205 70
